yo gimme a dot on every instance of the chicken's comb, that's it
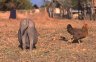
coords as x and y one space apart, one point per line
85 24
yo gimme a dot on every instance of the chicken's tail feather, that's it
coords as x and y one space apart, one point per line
70 29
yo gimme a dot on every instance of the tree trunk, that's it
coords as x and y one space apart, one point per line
12 14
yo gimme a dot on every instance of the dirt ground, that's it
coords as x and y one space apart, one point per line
50 48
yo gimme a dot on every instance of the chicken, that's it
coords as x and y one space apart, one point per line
78 33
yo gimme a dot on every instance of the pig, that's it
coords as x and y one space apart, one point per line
27 34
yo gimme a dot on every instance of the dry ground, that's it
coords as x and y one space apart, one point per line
49 47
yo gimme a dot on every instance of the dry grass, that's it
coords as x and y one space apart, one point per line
49 47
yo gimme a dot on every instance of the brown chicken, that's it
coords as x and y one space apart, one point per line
78 33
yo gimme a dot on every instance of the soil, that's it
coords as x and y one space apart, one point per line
50 46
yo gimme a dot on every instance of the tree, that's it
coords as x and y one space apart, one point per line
20 4
24 4
67 6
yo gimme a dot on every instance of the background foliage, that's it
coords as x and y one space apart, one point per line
19 4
